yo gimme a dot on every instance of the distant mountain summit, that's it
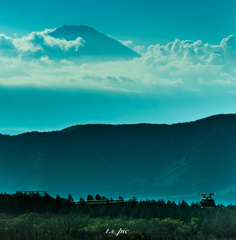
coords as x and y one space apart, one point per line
96 44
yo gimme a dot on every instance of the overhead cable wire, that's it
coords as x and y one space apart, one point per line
183 196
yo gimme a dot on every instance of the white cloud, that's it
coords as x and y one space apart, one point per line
126 43
6 43
139 49
38 44
187 65
45 59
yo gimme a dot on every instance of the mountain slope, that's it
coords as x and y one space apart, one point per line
130 160
96 44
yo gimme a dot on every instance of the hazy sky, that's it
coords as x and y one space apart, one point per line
187 69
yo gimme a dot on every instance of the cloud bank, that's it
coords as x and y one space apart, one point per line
37 45
43 61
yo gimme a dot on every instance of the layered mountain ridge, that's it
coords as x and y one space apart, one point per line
130 160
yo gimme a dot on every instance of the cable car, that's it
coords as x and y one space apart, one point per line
207 202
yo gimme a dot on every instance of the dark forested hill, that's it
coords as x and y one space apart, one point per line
129 160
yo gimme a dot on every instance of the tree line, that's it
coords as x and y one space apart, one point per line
33 216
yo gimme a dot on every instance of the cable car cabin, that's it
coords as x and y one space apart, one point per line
207 202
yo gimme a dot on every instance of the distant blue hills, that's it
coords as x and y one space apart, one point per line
96 45
138 160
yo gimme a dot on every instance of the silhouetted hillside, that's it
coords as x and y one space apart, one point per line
128 160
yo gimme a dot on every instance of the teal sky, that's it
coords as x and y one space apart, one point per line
145 21
175 81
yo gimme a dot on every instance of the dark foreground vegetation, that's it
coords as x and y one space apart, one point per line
46 218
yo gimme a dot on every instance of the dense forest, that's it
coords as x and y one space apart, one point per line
24 216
